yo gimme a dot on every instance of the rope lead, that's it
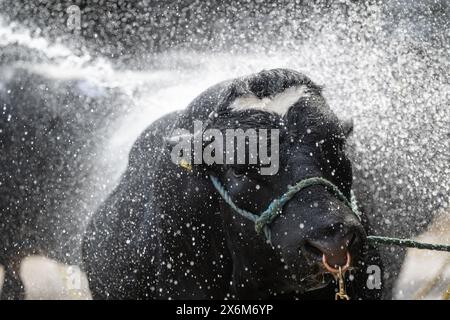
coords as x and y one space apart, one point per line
408 243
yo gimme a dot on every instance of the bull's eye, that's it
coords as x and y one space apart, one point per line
245 171
238 172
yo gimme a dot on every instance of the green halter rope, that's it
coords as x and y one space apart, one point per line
274 209
408 243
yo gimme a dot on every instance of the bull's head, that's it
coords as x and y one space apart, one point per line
316 231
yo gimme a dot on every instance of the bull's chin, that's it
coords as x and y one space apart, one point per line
307 285
316 282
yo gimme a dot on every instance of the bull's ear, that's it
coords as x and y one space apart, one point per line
174 139
347 126
179 146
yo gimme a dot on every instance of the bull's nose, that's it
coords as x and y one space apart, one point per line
334 249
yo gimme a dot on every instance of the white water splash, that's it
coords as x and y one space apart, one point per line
395 87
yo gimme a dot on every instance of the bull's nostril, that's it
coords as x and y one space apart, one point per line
312 251
354 244
352 240
335 248
333 244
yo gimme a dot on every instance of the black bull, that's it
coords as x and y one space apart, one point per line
165 232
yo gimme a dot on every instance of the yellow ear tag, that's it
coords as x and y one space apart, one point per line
185 165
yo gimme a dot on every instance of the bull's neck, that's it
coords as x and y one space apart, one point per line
258 271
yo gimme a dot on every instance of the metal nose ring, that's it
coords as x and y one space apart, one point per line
334 270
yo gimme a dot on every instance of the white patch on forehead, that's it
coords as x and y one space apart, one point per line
279 103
